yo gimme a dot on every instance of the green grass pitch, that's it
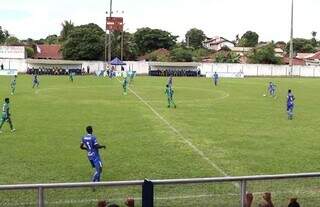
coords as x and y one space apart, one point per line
214 131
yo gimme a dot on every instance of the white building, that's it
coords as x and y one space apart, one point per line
217 43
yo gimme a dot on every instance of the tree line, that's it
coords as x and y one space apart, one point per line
87 42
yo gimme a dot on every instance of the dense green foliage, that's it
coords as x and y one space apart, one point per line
227 57
67 27
264 55
4 34
181 54
148 40
195 37
301 45
249 39
85 42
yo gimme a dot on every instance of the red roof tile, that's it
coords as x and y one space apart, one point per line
48 52
316 56
295 61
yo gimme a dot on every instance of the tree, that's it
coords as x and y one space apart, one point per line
52 39
264 55
181 54
12 41
200 54
195 37
249 39
301 45
160 55
227 57
67 27
314 40
129 46
30 52
4 34
85 42
148 40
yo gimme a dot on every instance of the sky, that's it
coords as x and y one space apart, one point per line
226 18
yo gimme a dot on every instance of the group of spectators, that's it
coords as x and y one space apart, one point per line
168 72
267 201
54 71
129 203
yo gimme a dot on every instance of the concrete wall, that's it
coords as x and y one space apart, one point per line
142 67
262 70
17 64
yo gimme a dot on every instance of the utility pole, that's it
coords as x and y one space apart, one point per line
109 42
291 40
122 36
105 48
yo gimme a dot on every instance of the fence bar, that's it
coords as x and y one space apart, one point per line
243 191
40 197
147 194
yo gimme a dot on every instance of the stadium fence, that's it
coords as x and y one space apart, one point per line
149 187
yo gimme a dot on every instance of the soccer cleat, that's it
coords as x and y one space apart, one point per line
13 130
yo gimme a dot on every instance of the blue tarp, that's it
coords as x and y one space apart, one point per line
117 61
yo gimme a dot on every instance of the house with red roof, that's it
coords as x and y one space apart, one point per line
52 52
314 59
217 43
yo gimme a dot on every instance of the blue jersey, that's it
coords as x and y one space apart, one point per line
290 100
90 141
215 76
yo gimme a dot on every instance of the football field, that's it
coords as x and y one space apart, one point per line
229 130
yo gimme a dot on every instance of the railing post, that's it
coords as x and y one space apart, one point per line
40 197
147 193
243 190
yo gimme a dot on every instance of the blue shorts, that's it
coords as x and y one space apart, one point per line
95 163
290 107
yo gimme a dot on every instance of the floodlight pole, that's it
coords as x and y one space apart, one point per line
291 40
109 46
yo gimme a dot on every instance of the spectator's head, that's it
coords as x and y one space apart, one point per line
249 199
267 196
130 202
89 129
113 205
102 204
7 100
293 203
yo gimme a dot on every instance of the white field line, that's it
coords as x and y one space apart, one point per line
185 140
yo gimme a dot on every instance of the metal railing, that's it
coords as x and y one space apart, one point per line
148 185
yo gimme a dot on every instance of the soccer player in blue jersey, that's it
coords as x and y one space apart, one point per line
272 89
290 104
6 116
35 81
215 78
90 144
